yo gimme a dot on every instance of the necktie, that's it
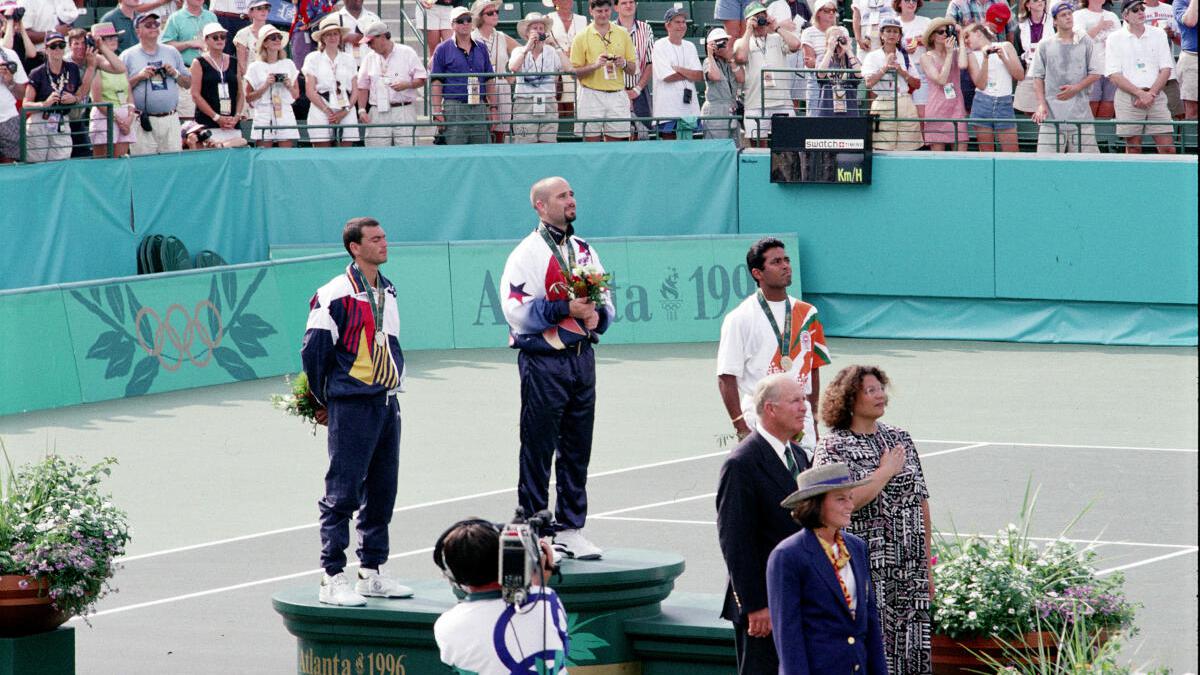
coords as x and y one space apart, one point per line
790 458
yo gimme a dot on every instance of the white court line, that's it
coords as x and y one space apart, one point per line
927 455
236 587
1160 558
401 509
1063 445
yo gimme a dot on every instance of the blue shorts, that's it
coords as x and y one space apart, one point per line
1103 90
730 10
668 127
991 107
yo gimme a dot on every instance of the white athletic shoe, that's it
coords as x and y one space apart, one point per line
374 584
573 544
335 590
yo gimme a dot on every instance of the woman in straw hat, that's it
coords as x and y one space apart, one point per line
533 97
486 15
891 509
940 63
272 85
824 617
331 86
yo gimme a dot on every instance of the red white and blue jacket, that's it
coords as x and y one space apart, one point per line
341 355
536 299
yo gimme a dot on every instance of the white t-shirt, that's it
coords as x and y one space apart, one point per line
248 38
549 61
258 73
465 639
814 37
911 34
377 75
365 18
8 104
1162 16
668 96
749 346
870 11
876 61
781 11
333 77
45 15
766 52
999 82
1087 20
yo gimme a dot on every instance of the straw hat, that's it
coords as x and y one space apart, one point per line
478 6
267 31
933 27
330 23
819 480
532 17
105 29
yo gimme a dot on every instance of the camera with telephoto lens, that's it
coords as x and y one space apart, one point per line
761 20
521 559
280 77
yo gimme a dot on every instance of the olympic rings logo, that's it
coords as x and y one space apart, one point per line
194 330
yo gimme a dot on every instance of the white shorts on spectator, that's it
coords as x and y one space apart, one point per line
162 137
316 117
403 115
610 106
47 139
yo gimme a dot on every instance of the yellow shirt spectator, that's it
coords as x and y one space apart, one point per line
590 44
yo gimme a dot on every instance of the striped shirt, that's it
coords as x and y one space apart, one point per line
643 44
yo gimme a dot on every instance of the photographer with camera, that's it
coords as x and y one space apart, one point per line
14 36
533 98
837 93
993 66
765 46
111 86
54 83
509 621
940 64
12 88
891 73
722 85
156 76
272 85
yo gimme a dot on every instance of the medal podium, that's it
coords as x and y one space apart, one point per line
622 620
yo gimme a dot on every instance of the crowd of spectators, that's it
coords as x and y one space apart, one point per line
155 73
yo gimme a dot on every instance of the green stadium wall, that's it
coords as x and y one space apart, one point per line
984 247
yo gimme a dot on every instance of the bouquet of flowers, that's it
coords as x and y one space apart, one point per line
588 281
57 526
300 402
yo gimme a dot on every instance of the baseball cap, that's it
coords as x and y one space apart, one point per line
212 28
821 4
375 29
890 21
55 37
258 3
457 12
1130 4
146 15
673 12
752 9
1064 6
997 17
716 35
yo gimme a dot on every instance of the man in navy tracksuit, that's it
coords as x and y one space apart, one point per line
554 332
355 368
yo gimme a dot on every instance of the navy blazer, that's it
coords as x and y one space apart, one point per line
814 632
750 522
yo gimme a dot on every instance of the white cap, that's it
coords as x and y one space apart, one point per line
718 34
212 29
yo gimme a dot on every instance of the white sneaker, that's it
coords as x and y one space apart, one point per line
374 584
335 590
573 544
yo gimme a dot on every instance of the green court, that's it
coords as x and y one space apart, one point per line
221 488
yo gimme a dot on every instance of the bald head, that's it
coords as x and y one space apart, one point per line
554 201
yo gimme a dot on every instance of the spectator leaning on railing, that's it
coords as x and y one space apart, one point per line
329 82
533 98
156 76
1138 61
891 72
1063 71
676 69
12 88
722 85
1186 14
940 64
993 67
54 83
272 85
111 86
388 80
765 46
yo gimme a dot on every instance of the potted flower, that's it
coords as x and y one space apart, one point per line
59 535
1004 602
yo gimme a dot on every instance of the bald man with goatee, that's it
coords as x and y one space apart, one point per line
554 332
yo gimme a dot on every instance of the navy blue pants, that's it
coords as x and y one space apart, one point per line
364 455
558 407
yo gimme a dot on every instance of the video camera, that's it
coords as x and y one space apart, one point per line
521 558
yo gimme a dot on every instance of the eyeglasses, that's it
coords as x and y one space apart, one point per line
463 19
57 45
217 38
827 9
940 31
149 24
278 38
491 12
1136 10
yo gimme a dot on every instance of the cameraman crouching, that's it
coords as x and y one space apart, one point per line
485 634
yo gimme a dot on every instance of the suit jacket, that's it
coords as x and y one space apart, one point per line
750 521
813 630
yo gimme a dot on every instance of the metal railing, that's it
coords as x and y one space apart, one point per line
51 133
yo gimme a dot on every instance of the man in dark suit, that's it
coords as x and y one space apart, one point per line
759 474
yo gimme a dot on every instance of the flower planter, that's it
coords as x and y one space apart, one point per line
955 656
25 607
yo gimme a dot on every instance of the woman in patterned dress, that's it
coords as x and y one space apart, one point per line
891 510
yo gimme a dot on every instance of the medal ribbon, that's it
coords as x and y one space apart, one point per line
785 338
839 561
544 230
